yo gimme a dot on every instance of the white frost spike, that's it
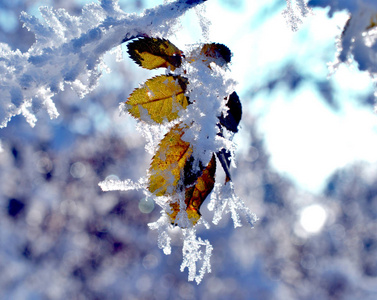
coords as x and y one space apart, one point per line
204 22
224 200
126 185
294 13
192 254
162 225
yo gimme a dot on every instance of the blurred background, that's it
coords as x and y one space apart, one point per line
306 165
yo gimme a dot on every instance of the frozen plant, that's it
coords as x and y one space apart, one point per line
69 51
195 104
357 41
200 115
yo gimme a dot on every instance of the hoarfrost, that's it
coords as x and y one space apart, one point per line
126 185
224 200
295 12
162 226
192 254
209 85
357 42
203 21
69 51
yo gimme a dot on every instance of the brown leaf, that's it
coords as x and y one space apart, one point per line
195 195
166 172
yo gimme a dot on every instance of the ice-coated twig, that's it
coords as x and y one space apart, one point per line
69 50
358 39
125 185
192 254
162 225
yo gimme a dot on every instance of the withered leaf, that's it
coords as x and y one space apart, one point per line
195 195
153 53
159 99
218 52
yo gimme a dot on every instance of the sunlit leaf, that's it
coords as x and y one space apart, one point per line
159 99
166 173
153 53
196 194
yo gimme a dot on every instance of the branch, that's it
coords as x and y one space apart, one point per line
69 50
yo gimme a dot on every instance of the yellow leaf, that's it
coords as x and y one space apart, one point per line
166 172
153 53
162 97
196 194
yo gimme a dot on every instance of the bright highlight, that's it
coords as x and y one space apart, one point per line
313 218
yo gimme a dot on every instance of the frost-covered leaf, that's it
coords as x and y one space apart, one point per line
153 53
195 195
159 99
167 168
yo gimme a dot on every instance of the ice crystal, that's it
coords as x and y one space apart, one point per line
224 200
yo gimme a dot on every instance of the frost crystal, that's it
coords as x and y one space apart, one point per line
192 254
224 200
126 185
162 225
295 12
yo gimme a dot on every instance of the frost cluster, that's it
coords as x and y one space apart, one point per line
358 39
295 11
209 84
69 50
224 200
357 42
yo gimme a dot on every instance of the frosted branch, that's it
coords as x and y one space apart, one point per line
69 51
126 185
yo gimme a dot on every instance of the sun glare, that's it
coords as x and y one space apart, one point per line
313 218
